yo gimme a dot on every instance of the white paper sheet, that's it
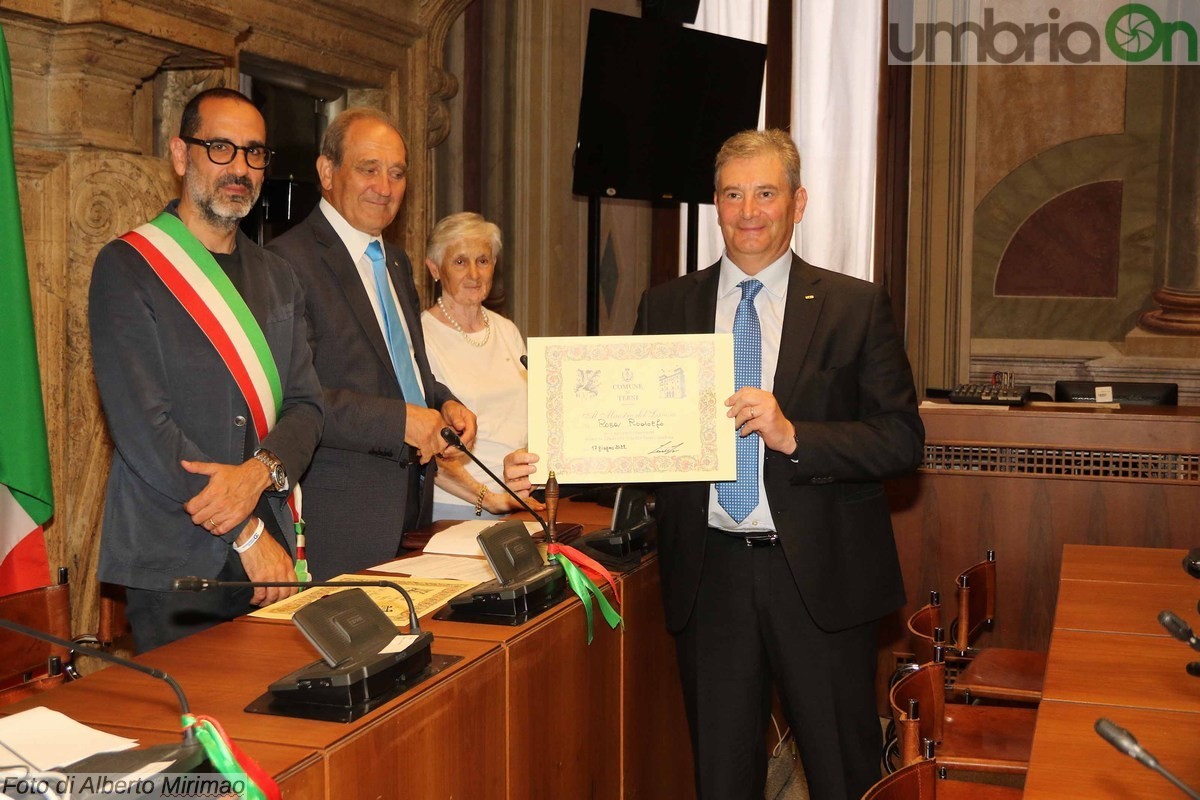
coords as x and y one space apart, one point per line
460 568
48 739
459 539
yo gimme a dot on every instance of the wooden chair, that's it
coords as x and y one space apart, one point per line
925 631
28 666
968 737
923 781
993 673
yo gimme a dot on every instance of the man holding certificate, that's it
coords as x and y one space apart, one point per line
781 575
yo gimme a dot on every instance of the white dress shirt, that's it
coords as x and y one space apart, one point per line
770 304
356 243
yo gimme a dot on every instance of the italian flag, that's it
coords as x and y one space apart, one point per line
26 497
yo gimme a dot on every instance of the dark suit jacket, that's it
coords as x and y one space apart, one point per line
845 383
356 491
168 396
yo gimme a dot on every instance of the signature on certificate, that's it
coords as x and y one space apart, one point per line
666 448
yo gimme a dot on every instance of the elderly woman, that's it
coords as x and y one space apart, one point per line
477 354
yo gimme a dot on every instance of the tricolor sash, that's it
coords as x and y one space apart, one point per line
195 279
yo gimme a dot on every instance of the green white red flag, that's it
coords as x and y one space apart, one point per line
26 496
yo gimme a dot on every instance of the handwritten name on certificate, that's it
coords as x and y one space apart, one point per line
633 409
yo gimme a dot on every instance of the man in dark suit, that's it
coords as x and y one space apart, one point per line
371 479
193 489
782 575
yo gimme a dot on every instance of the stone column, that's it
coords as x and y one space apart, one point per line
1178 299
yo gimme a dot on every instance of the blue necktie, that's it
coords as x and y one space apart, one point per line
740 497
397 342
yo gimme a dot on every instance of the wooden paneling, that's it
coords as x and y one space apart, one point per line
657 749
945 520
448 742
563 699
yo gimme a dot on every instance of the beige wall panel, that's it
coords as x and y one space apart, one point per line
1024 110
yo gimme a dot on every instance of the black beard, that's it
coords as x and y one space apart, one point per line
207 203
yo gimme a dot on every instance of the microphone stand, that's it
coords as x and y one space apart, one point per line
349 630
195 584
1180 630
511 599
560 562
183 757
189 735
1124 741
453 439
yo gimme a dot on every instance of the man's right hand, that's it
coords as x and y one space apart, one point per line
267 561
423 432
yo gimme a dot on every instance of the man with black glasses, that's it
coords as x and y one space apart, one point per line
207 382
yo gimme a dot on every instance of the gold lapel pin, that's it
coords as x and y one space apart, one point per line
808 297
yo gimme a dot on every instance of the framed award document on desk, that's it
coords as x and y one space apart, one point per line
632 409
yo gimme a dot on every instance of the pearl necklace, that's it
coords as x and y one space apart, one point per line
487 326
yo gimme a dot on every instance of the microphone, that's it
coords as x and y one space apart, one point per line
1123 740
356 671
455 440
531 588
1178 629
182 758
1191 563
193 583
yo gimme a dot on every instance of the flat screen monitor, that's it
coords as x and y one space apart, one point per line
658 101
1125 393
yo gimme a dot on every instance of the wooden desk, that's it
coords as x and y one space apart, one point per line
1134 676
1119 669
1162 566
656 750
299 772
562 711
1070 760
529 712
1120 607
224 668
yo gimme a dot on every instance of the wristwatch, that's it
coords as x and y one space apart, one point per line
274 468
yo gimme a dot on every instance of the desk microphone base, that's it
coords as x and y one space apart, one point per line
293 704
494 603
93 778
619 550
357 682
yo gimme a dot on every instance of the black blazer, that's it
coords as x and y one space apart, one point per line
844 381
356 491
168 396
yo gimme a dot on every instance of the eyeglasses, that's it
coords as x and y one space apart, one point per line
221 152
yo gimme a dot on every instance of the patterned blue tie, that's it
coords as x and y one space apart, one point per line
397 342
740 497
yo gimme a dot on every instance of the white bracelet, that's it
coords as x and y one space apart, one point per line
258 531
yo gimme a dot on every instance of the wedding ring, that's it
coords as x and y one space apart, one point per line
212 525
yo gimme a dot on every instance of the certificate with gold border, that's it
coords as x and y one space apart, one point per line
632 409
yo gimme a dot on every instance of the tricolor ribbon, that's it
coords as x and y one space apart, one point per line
579 570
192 275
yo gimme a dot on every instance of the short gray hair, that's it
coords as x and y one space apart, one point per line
458 227
333 143
749 144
